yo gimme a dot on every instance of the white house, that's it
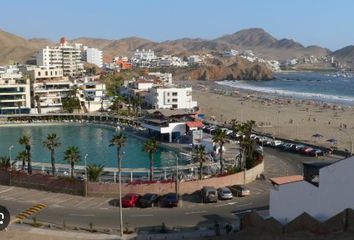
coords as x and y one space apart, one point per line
93 95
14 91
324 191
170 97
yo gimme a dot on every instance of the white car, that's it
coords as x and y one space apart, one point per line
224 193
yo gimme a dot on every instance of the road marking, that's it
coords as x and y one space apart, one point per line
142 215
63 200
196 212
225 204
246 204
28 212
6 190
81 215
104 202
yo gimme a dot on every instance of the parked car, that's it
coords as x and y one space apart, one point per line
307 150
240 190
130 200
276 143
169 200
148 200
299 148
315 152
209 194
288 147
224 193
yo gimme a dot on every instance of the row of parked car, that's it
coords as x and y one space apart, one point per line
211 194
286 146
149 200
207 194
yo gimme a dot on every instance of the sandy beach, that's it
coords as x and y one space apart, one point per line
281 117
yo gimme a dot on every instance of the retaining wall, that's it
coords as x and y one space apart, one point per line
111 189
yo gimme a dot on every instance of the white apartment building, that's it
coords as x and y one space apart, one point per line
50 86
163 77
14 92
65 56
93 95
170 97
194 59
93 56
144 55
324 191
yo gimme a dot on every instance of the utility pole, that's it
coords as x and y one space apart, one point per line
120 195
86 177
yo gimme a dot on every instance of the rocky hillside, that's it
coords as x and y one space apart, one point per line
17 49
240 69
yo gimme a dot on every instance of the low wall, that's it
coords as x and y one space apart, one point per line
111 189
42 182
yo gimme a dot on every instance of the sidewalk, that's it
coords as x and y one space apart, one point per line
20 232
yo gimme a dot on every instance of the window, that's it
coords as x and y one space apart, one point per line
39 74
174 100
174 94
46 73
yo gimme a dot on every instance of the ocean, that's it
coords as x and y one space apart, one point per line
324 87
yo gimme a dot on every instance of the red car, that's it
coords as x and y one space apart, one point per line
130 200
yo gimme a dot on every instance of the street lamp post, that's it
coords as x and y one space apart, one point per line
177 180
120 193
10 150
86 177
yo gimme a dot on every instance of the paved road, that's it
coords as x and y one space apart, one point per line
80 211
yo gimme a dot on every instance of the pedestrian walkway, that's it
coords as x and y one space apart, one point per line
18 194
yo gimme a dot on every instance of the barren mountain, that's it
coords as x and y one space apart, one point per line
13 47
345 55
17 49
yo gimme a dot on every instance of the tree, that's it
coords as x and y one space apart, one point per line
199 156
151 147
71 101
94 171
38 103
5 162
220 138
247 145
118 140
72 156
22 156
26 140
117 103
51 143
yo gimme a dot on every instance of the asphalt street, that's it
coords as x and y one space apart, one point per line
81 211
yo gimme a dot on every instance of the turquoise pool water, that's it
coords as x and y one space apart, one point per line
90 139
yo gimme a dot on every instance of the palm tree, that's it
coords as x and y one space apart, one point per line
246 143
38 103
94 171
199 155
220 137
52 142
5 162
72 156
26 140
118 140
151 146
22 156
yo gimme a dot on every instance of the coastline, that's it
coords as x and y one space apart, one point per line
280 116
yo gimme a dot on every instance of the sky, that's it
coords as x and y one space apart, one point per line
328 23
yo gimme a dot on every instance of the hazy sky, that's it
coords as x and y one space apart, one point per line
328 23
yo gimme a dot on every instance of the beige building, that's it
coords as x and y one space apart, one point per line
50 86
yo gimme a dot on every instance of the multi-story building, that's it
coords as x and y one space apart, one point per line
170 98
50 86
163 77
94 96
65 56
14 92
93 56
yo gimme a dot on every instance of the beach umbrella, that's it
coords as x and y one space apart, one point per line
332 141
317 135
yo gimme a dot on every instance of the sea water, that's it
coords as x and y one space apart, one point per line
319 86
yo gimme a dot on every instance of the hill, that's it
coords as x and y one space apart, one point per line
13 47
